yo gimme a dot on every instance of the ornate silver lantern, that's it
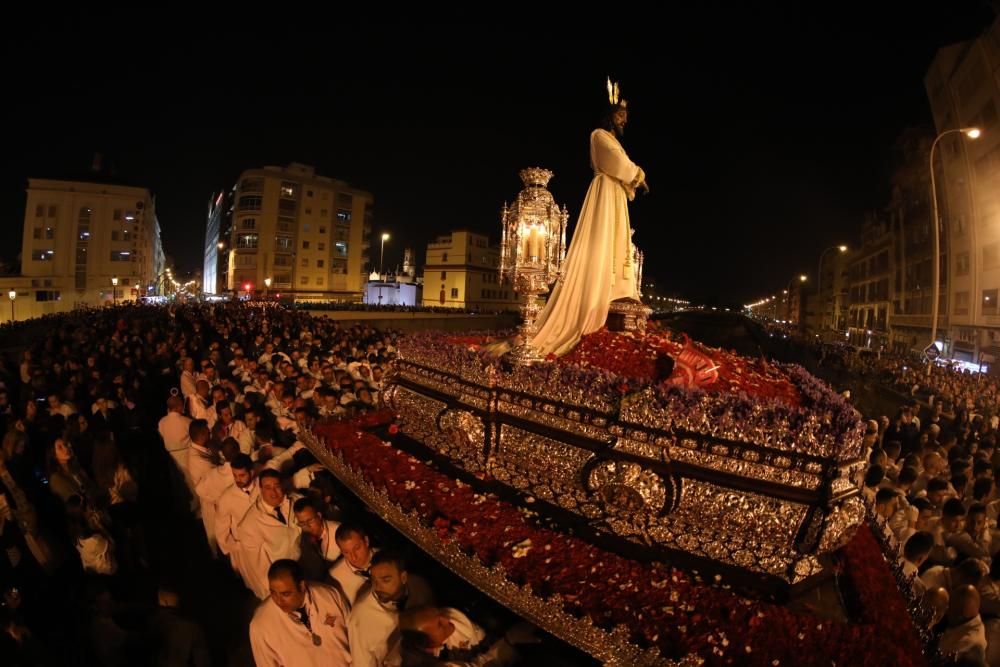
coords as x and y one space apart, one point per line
532 249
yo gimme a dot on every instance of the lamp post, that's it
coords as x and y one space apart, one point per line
114 291
971 133
819 282
381 256
267 286
13 295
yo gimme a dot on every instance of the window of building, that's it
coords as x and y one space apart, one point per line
321 246
444 257
40 211
309 193
962 264
285 225
319 264
283 242
341 247
246 240
53 210
305 245
283 279
46 295
309 211
117 215
248 223
289 190
305 262
990 302
345 200
338 266
121 256
961 303
454 292
305 227
37 233
323 212
304 280
444 274
252 185
322 229
287 207
115 236
246 260
42 255
283 260
343 215
319 280
249 203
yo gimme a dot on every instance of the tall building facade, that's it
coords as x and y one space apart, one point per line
869 281
79 236
308 234
908 215
462 271
217 232
963 91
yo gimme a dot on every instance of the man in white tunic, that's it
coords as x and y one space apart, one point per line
176 439
268 532
302 624
373 627
233 505
352 571
202 466
598 267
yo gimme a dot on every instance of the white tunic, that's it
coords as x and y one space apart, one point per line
233 505
350 581
210 481
598 267
373 631
264 539
279 641
174 429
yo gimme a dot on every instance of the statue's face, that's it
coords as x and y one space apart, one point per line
620 117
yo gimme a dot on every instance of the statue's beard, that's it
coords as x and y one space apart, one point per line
619 131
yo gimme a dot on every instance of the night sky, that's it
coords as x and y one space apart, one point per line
765 134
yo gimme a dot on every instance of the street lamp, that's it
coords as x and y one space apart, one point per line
385 237
819 281
13 295
114 291
971 133
267 286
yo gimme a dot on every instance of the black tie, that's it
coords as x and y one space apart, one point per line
363 573
281 517
304 616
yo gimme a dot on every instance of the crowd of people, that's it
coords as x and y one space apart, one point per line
149 447
932 482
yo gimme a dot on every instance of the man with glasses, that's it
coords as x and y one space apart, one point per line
318 548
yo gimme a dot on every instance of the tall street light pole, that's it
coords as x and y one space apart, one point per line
114 291
971 133
385 237
13 295
819 281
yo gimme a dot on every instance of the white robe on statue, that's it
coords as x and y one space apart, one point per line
598 267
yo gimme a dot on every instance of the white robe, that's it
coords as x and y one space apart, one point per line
598 267
174 431
207 480
264 540
229 512
350 581
372 630
279 641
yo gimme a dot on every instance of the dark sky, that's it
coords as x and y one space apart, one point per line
765 134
